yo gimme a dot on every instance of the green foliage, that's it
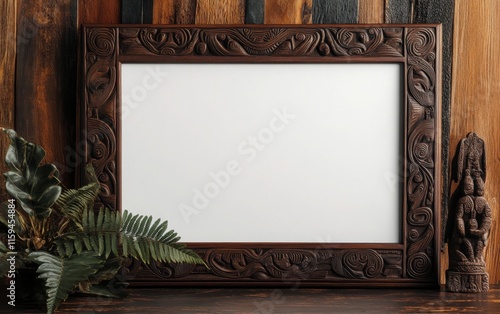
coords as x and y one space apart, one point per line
62 275
104 282
35 186
4 263
72 202
139 239
76 248
154 242
100 234
4 219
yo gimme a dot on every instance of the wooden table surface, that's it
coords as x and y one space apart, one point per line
282 300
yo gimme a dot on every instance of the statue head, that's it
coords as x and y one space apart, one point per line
479 184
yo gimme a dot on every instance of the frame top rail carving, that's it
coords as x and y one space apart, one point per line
270 41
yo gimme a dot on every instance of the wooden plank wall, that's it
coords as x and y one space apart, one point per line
45 91
8 23
41 88
475 98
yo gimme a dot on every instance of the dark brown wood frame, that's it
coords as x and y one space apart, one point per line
412 263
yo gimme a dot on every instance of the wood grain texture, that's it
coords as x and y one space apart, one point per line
268 301
337 11
475 99
220 12
288 12
254 11
98 11
131 12
429 11
137 11
46 80
147 11
399 11
174 11
8 22
371 11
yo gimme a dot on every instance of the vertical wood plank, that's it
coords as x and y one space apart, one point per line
137 11
475 98
98 11
398 11
254 11
288 12
371 11
174 11
335 11
8 23
46 80
131 11
220 12
429 11
147 11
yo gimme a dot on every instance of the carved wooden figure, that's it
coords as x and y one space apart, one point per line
471 221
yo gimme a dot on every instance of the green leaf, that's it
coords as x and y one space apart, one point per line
140 240
35 186
72 203
100 218
107 245
4 218
16 152
114 245
108 271
105 282
78 245
16 179
24 199
62 275
69 248
48 197
45 175
34 156
4 263
60 250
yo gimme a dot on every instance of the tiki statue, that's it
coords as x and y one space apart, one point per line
470 221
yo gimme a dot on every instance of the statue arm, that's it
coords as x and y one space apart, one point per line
486 223
460 220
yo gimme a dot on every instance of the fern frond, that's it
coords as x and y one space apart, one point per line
110 232
100 234
71 203
62 275
149 243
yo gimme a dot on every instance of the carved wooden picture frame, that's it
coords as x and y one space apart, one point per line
414 262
